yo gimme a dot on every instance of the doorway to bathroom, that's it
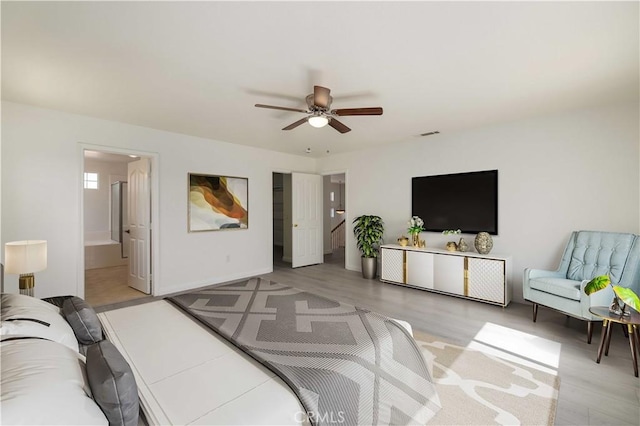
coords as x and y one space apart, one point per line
111 236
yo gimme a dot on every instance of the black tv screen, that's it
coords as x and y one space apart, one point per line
465 201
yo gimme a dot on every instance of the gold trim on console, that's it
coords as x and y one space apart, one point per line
466 276
404 266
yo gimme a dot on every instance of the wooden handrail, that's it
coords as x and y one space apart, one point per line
338 225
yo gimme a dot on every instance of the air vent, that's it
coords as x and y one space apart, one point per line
429 133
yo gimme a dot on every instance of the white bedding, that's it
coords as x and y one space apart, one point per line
187 374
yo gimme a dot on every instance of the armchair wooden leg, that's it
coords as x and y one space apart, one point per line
535 312
589 331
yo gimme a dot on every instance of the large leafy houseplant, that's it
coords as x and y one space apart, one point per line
368 230
624 296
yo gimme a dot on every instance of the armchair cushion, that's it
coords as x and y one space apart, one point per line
599 253
569 289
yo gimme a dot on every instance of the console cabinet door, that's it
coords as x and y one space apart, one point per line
486 279
448 274
392 265
420 269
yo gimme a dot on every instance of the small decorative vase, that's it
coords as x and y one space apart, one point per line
462 245
415 239
452 246
483 242
403 241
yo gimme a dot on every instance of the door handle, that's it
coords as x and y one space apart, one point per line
127 231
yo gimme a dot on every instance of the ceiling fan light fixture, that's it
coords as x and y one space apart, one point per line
318 121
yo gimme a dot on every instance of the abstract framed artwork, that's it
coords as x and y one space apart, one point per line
217 203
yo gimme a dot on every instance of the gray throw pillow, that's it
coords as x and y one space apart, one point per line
112 384
83 320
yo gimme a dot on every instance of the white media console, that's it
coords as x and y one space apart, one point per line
482 277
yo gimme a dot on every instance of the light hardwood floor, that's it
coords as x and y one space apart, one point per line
105 286
590 393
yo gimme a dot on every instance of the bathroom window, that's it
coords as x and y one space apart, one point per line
90 181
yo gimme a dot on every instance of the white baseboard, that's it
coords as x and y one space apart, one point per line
213 280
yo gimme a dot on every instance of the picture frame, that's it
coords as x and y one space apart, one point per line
217 202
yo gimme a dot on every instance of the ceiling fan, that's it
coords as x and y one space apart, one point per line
319 112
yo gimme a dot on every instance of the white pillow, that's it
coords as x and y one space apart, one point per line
11 300
43 382
26 316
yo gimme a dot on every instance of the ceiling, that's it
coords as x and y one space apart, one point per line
198 68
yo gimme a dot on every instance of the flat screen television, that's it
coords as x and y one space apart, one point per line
465 201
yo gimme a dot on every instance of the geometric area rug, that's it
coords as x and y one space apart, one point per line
476 388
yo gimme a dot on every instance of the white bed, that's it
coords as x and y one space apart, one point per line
187 374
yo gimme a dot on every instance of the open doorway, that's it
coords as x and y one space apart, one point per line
335 208
298 219
108 260
282 243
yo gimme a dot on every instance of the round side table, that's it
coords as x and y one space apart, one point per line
631 322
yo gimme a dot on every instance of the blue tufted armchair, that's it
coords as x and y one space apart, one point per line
588 254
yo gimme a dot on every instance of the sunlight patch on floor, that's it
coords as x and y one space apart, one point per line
514 345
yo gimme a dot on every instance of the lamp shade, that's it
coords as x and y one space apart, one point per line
25 257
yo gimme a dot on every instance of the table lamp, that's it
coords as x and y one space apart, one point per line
25 258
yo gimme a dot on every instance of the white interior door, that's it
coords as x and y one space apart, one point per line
306 217
139 218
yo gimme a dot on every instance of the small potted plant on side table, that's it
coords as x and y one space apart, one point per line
622 296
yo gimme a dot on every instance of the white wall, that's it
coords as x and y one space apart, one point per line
560 173
41 187
577 170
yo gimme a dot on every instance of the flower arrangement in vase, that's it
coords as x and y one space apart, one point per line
416 226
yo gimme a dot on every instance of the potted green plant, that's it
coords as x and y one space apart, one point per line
368 230
622 296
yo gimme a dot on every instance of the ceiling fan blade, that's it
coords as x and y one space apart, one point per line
296 124
338 126
321 96
281 108
357 111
